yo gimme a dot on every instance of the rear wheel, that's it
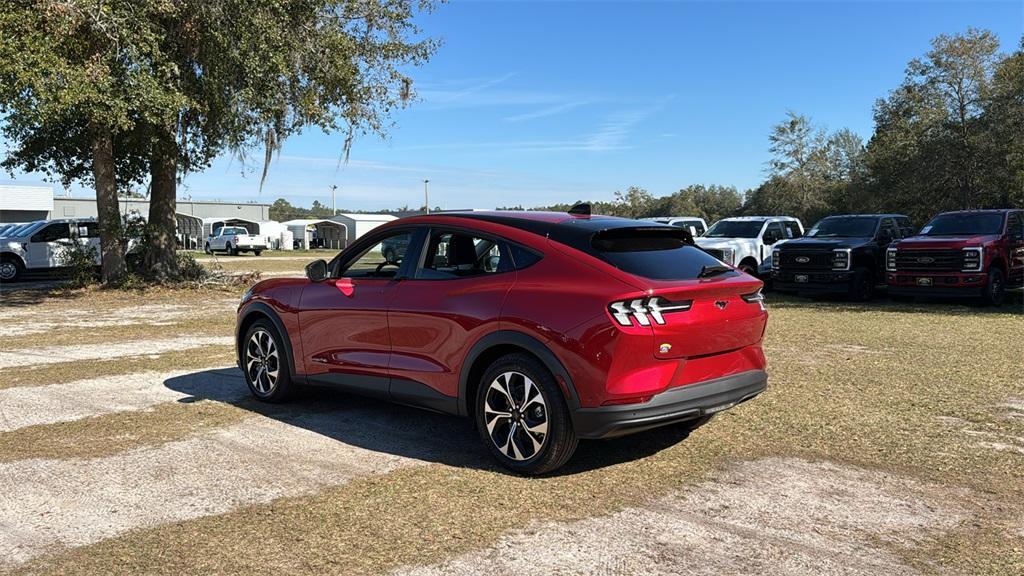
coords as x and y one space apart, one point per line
522 416
10 269
265 363
257 252
207 249
232 251
995 290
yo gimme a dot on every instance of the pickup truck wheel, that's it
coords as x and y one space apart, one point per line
232 250
862 286
522 416
265 363
257 252
748 269
10 269
995 289
207 248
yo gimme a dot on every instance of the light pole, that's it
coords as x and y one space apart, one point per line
426 195
334 202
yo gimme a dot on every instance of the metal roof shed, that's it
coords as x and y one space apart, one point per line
189 231
211 225
359 224
319 233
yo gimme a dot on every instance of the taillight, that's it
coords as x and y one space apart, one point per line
235 240
754 298
645 310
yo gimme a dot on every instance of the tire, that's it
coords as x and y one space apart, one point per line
522 389
748 269
207 249
863 286
995 289
10 269
257 252
232 251
263 354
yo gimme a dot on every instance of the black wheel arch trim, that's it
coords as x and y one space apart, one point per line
263 309
521 340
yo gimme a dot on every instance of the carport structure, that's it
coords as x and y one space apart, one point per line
189 231
319 233
211 225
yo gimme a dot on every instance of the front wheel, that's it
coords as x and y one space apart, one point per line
10 270
522 416
265 363
995 290
862 286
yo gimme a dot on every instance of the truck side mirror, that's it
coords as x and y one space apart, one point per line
316 270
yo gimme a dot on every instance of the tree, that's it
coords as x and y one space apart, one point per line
635 202
932 148
1002 145
183 82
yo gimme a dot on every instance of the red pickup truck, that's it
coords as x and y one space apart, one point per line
972 253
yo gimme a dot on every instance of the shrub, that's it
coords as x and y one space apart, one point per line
80 262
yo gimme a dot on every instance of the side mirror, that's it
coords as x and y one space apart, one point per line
316 270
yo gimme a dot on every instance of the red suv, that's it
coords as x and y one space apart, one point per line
543 327
973 253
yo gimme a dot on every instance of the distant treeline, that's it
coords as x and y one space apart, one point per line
951 136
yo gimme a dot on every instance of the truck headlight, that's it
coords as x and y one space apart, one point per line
972 259
890 259
841 259
729 256
776 256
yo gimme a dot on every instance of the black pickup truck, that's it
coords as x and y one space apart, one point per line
839 255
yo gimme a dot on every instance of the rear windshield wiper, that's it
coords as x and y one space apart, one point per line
713 270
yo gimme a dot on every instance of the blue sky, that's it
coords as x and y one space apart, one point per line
536 102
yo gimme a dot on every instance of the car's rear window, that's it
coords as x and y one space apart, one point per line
660 253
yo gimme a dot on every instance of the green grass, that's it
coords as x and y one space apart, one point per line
875 385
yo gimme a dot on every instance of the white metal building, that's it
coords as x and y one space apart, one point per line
20 203
358 224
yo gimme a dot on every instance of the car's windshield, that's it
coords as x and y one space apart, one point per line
845 227
964 224
735 229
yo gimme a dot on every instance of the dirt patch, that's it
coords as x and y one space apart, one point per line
35 405
56 354
51 504
28 321
779 516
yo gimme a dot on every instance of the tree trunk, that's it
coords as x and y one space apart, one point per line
161 260
111 230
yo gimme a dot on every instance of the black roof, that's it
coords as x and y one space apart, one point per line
866 216
574 232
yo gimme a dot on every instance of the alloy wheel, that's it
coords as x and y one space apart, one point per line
262 362
516 416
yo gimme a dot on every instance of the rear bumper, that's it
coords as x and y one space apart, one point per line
674 405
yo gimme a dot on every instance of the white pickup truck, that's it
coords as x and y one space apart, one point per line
234 239
746 241
40 245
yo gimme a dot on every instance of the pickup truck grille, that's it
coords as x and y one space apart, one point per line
716 253
805 260
930 260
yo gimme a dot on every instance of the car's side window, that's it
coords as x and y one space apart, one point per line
52 233
773 233
459 255
381 260
888 231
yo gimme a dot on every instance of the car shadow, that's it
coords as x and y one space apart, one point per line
401 430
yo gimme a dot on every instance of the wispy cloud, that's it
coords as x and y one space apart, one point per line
545 112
